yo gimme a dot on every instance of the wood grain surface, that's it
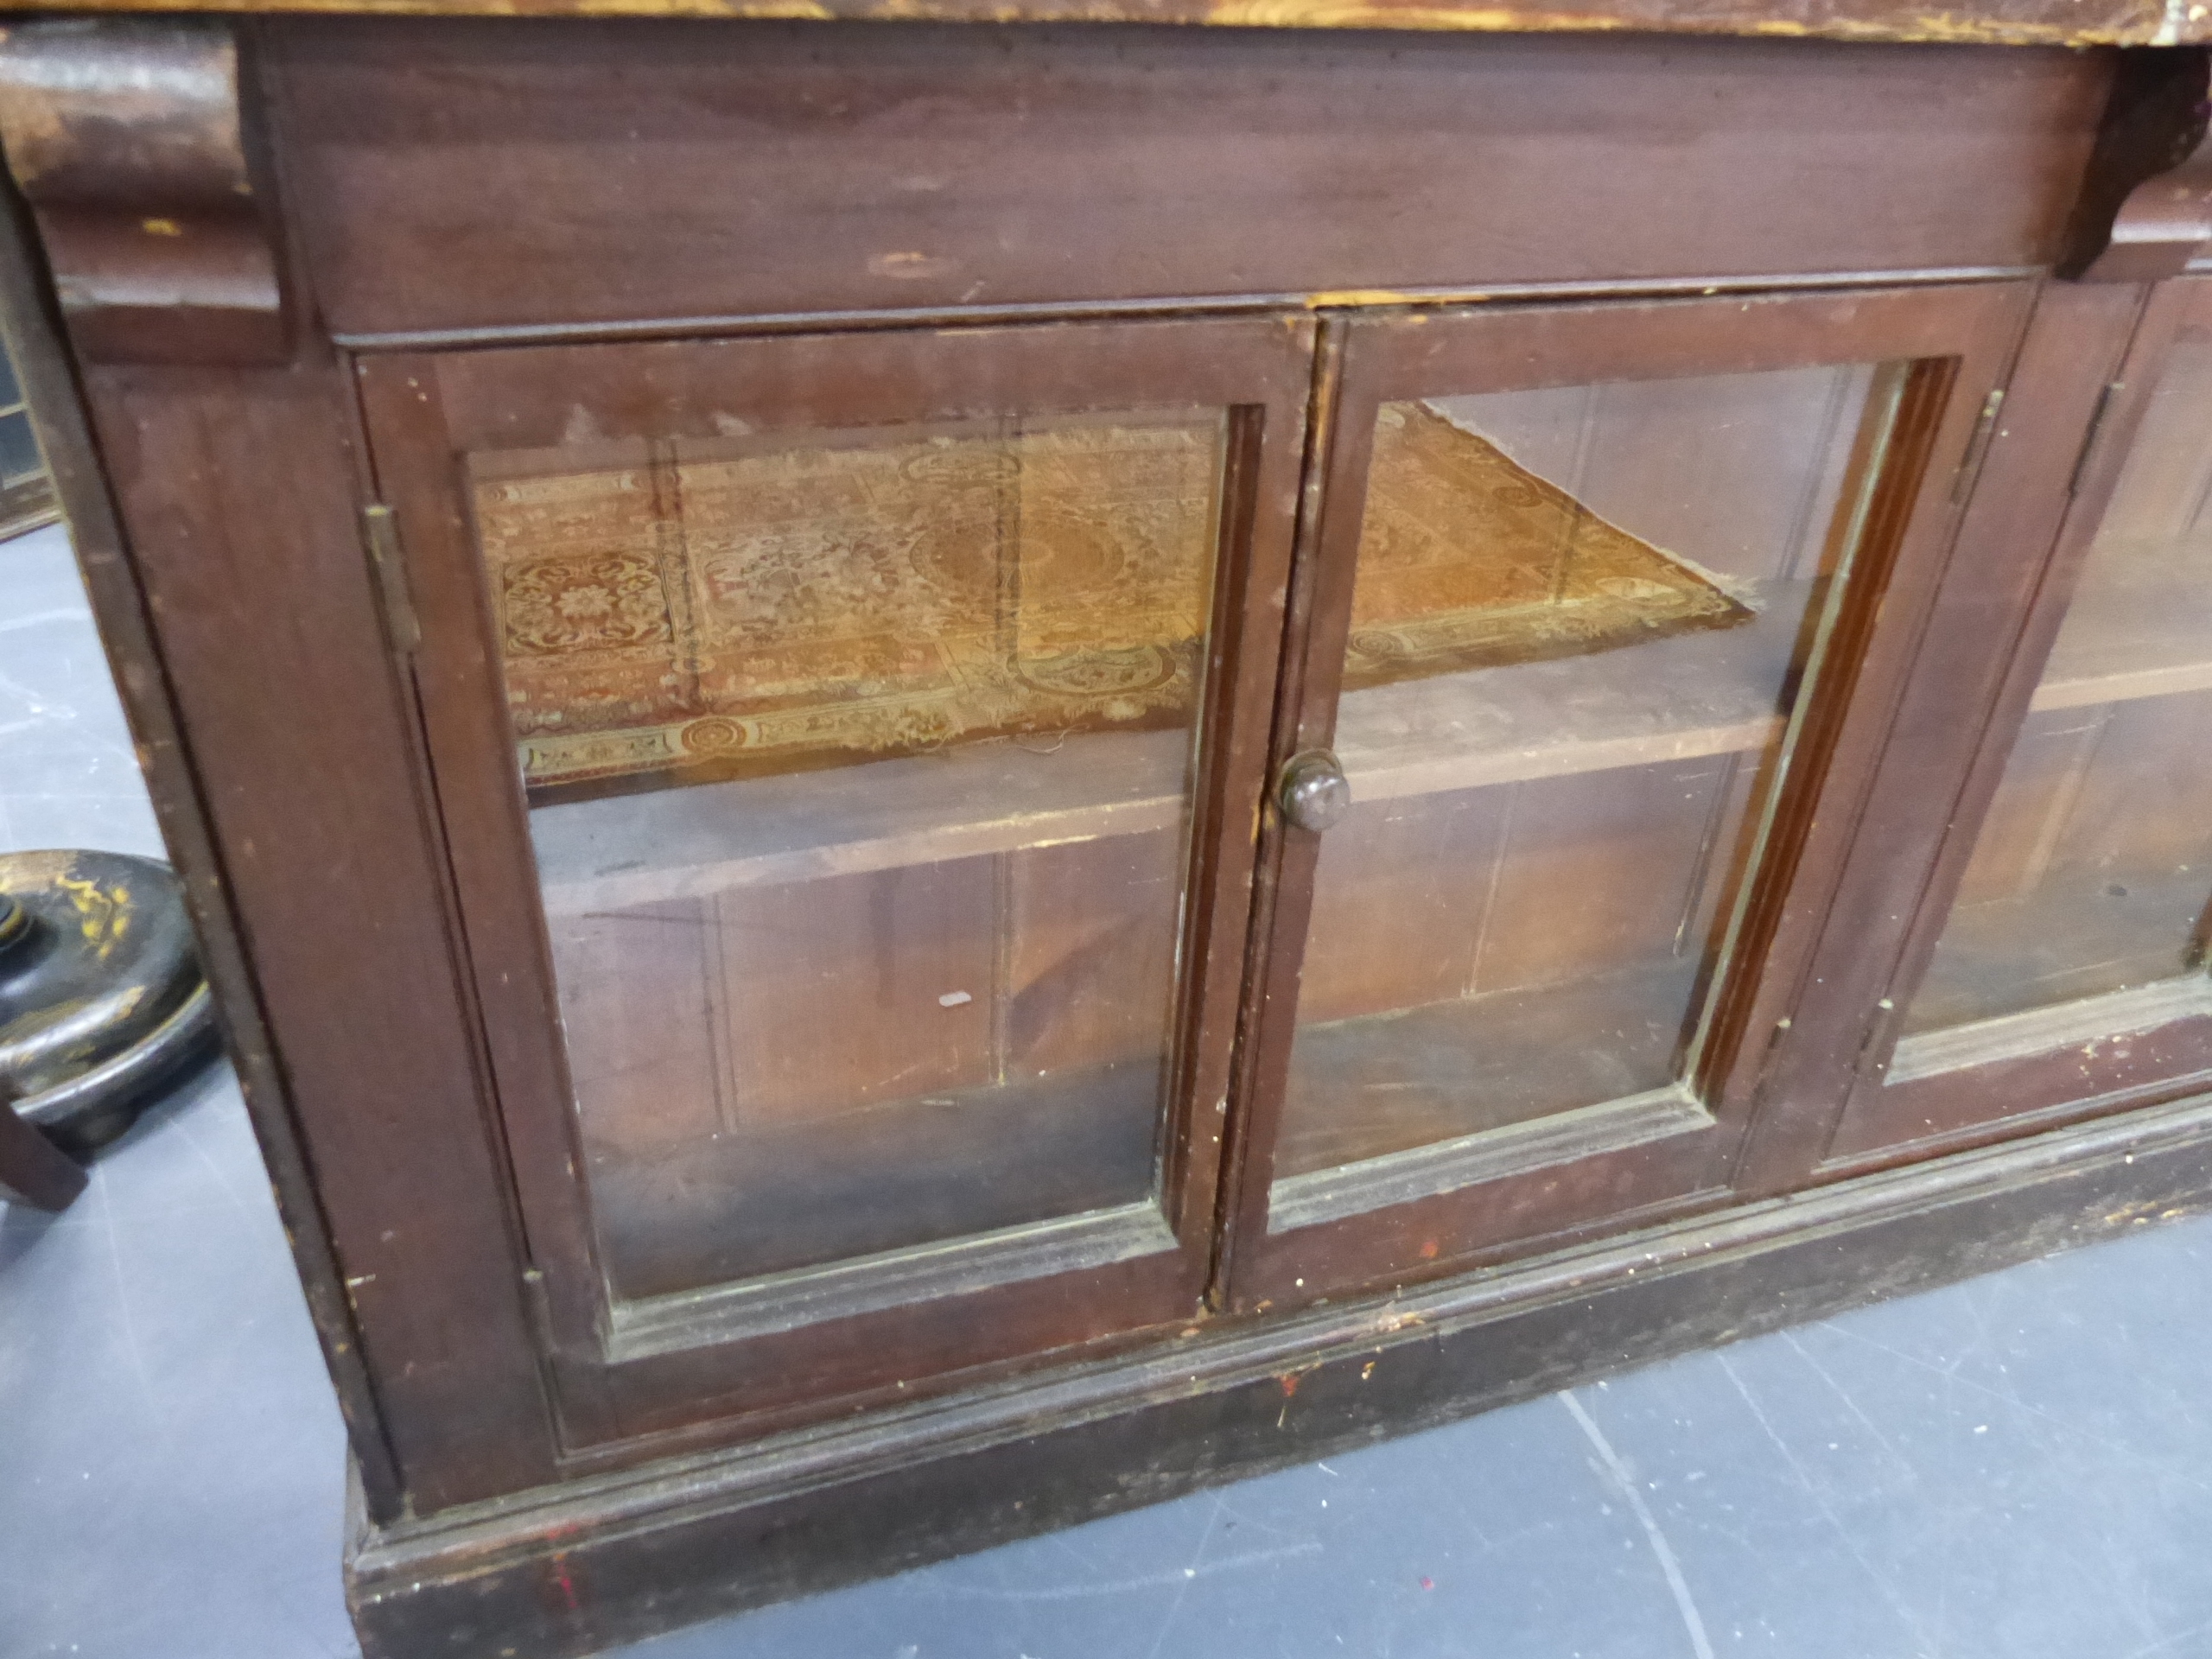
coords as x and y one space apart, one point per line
1617 868
2049 22
680 233
918 1019
129 142
2069 720
785 171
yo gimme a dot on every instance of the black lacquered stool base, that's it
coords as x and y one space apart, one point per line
101 1008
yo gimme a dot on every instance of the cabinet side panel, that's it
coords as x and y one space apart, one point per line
120 608
235 491
468 175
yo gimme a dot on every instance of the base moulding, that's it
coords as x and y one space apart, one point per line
610 1559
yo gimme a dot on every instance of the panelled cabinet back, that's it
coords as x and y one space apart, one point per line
945 775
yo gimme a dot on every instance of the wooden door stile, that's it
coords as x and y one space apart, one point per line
1282 881
320 815
1252 595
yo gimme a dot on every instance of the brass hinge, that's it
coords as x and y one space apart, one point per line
1985 429
380 534
2112 389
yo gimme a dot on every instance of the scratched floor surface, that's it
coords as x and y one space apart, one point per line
2017 1468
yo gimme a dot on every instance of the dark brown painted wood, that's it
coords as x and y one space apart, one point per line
2019 1094
33 1169
778 169
1907 538
236 490
157 719
427 412
2070 354
335 771
129 141
617 1558
1964 713
2145 205
1244 1123
2047 23
1962 338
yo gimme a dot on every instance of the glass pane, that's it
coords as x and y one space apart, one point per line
19 456
1582 620
2092 875
859 766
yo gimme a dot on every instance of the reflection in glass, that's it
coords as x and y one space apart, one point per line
859 765
2092 875
25 492
1583 618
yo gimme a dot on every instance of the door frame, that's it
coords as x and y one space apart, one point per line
2094 360
714 1362
1515 1190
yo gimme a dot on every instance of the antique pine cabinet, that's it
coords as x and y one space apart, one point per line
947 772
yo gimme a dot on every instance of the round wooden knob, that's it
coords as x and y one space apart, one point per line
1314 792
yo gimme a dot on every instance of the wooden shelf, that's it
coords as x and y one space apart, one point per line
2078 936
2086 1022
1671 699
2149 635
902 1175
993 797
1379 1084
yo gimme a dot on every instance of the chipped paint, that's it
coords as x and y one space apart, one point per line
1288 1382
1328 299
909 265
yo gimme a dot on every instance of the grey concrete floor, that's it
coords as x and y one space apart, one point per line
2015 1468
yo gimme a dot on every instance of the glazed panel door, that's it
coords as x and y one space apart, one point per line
1606 606
2056 962
847 747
